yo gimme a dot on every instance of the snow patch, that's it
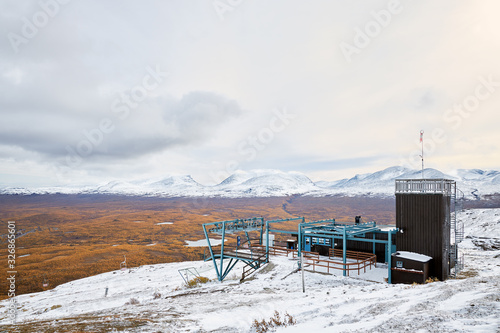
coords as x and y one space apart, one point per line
413 256
203 242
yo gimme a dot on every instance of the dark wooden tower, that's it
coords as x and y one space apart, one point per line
423 208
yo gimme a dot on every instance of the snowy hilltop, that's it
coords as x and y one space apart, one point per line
154 298
474 183
267 183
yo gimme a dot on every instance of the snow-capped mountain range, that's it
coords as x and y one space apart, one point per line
474 183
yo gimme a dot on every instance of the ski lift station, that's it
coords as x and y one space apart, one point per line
422 244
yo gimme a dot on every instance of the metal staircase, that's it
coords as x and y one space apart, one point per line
459 206
456 231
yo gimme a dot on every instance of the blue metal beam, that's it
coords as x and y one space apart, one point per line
267 242
300 244
344 250
334 236
329 221
389 258
248 239
340 231
373 243
283 231
231 226
229 268
285 220
222 250
211 252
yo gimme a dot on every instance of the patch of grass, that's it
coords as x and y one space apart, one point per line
55 307
133 301
467 274
274 322
82 323
413 285
195 282
431 280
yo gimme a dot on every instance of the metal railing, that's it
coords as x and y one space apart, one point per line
276 250
362 260
443 186
360 264
250 268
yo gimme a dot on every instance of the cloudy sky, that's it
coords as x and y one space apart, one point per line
92 91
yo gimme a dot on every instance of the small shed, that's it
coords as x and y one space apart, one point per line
409 267
291 244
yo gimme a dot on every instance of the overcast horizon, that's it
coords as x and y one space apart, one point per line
96 91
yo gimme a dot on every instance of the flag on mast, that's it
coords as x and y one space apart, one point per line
422 156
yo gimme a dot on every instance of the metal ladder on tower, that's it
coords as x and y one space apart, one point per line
453 250
457 230
459 226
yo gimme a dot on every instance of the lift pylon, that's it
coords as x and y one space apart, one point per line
228 256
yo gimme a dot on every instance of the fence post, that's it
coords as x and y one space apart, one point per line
302 267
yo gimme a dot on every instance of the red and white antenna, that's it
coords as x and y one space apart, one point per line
422 156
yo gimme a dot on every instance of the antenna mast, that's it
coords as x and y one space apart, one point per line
422 156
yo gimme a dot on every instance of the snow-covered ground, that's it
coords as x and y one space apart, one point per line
330 303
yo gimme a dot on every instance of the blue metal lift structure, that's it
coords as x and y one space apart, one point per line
269 224
307 231
331 230
252 258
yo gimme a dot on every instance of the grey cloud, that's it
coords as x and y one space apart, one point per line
189 120
195 116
